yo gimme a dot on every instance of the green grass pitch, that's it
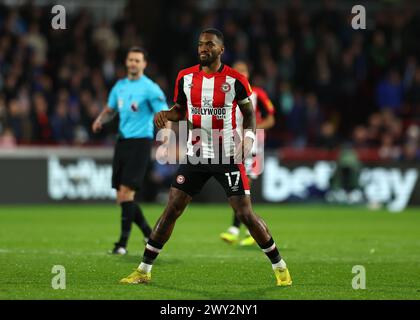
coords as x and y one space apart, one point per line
320 243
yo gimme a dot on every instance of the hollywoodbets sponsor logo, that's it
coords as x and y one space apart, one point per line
220 113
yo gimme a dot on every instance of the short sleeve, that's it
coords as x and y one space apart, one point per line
179 94
242 89
157 99
112 98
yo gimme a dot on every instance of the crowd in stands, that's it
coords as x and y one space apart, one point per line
328 82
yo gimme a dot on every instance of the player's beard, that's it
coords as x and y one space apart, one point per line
207 62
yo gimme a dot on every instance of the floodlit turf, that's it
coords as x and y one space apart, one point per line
321 244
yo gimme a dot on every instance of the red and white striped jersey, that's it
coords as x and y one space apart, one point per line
211 101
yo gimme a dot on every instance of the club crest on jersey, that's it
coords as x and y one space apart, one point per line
225 87
180 179
134 106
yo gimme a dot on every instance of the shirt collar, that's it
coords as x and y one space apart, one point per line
218 70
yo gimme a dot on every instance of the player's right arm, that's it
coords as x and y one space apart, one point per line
179 110
175 114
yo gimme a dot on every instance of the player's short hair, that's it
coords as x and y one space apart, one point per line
216 32
139 50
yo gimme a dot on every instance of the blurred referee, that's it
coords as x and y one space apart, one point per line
136 98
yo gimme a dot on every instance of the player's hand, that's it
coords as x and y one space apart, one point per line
96 126
161 119
244 149
248 143
239 153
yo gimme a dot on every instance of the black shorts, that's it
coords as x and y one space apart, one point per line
131 158
191 178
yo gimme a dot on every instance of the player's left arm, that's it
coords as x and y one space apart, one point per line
249 125
243 92
248 113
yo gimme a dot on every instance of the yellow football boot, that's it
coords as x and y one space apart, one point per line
229 237
137 277
248 241
283 277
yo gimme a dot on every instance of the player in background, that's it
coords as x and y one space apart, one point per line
264 114
208 95
136 98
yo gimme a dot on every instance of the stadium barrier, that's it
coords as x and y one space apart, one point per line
52 175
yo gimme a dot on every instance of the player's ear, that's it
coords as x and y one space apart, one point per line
222 49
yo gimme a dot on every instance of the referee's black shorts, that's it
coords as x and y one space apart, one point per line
191 178
129 165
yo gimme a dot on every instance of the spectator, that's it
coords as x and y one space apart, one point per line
388 150
42 132
293 49
304 120
62 125
19 121
37 43
379 53
413 96
375 129
313 117
3 113
7 139
360 137
327 138
287 65
413 134
410 153
389 92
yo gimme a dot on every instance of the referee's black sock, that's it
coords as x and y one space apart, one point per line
127 216
141 221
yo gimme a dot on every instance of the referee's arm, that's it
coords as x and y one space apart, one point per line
106 115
